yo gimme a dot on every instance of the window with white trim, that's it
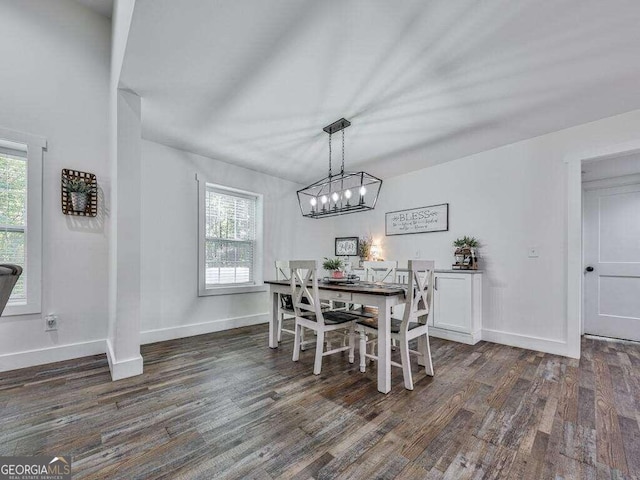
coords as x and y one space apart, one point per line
231 243
13 216
21 216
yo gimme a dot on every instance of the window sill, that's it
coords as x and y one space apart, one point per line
232 290
20 309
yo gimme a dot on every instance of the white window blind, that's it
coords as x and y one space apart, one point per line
230 237
13 216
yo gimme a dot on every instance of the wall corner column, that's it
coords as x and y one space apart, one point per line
123 338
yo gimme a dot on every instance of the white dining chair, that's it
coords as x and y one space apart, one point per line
310 314
285 306
383 272
413 324
380 271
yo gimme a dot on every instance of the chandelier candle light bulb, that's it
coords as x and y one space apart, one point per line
363 191
347 195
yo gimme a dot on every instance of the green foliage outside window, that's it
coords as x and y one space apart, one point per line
13 216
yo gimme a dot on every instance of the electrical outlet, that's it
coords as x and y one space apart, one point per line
50 323
417 254
533 252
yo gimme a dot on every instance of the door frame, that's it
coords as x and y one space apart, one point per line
574 266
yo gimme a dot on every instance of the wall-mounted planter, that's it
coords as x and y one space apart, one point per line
76 203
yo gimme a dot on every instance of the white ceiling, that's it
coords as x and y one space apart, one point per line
103 7
253 82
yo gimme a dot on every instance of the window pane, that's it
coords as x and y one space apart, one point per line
230 217
230 229
13 191
13 205
229 262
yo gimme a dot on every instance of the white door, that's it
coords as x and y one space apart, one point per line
612 262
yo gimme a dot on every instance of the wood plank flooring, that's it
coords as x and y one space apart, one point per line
224 405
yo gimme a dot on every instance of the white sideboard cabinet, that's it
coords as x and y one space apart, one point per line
457 304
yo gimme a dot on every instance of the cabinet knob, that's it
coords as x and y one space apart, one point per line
589 269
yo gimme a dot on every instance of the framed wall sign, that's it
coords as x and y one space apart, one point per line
434 218
347 246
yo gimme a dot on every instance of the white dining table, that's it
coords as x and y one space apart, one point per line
381 296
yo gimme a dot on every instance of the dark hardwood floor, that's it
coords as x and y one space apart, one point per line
224 405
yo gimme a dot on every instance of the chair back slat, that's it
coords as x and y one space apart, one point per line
304 288
283 271
419 292
380 271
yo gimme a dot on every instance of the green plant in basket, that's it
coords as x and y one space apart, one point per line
468 242
79 191
78 185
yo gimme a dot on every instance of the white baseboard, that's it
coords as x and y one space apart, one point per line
540 344
129 367
126 367
468 338
41 356
182 331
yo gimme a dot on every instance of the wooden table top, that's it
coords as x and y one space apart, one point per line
358 287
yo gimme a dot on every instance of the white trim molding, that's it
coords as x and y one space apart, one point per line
189 330
574 265
35 146
257 285
42 356
23 138
129 367
540 344
462 337
621 181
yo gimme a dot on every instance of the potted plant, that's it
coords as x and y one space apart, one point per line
465 252
333 265
79 190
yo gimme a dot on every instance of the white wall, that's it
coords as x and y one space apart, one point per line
169 284
511 198
54 76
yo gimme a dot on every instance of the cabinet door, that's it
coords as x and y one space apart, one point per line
452 302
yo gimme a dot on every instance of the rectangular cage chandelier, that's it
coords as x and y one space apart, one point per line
342 193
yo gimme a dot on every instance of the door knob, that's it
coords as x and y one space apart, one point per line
589 269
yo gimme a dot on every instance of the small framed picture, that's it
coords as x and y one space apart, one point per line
347 246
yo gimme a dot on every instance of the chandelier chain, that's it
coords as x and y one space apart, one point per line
342 169
329 153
